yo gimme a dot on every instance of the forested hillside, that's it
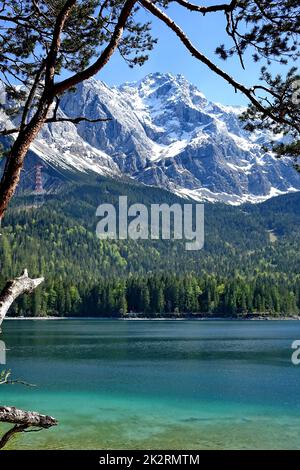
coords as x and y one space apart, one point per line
250 263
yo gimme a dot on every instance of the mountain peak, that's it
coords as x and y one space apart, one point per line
163 132
154 81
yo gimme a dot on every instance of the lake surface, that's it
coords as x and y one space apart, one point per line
156 384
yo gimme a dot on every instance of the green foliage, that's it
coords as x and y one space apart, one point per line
241 269
205 294
284 105
269 29
27 31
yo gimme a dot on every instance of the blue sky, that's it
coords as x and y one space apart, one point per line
170 55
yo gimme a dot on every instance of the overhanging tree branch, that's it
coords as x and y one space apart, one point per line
14 162
53 120
68 34
200 56
56 42
225 7
76 120
31 95
104 57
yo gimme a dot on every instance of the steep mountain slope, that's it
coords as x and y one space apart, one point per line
163 132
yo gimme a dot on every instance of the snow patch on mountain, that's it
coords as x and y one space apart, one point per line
162 131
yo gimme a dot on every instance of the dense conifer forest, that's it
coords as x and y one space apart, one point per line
250 263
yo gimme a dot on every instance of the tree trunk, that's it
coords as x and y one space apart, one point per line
14 288
22 420
17 154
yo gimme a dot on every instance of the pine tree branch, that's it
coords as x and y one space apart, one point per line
104 57
76 120
56 42
53 120
248 92
225 7
31 95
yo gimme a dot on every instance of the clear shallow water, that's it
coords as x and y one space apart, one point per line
156 384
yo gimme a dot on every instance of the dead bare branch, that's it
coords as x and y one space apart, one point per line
15 288
23 420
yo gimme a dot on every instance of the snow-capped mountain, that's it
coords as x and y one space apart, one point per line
163 131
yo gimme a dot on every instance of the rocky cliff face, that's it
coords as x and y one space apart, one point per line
164 132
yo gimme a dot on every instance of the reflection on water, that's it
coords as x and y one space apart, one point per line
147 384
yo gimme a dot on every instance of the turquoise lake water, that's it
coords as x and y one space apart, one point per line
156 384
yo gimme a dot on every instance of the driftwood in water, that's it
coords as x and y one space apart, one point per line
21 285
10 414
22 420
